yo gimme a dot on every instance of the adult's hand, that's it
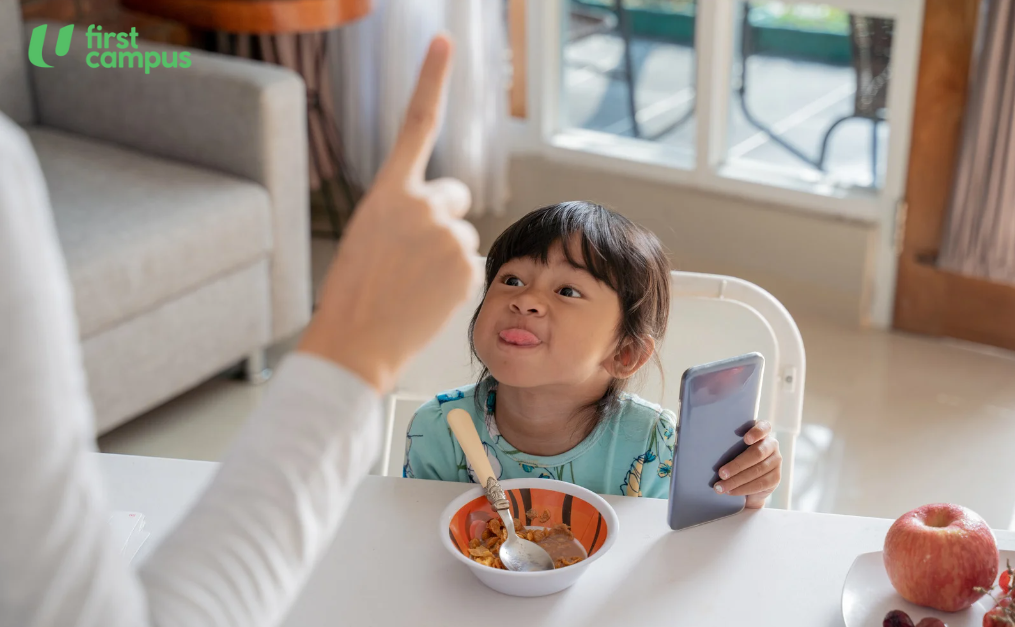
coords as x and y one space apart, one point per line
406 259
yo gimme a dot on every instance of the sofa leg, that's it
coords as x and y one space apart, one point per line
255 368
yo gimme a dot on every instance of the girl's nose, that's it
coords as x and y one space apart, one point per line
528 304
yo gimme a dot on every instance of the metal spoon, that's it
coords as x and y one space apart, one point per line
515 553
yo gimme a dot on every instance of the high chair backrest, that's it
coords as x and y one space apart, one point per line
712 317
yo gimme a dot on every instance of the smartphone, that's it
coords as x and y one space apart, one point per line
718 406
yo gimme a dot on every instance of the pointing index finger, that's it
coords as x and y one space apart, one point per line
415 141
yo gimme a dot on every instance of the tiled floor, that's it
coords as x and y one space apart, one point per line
890 422
894 421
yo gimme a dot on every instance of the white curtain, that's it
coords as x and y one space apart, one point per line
376 61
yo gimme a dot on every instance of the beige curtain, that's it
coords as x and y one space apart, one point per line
300 53
979 238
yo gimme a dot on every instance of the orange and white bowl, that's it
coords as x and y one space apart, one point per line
592 521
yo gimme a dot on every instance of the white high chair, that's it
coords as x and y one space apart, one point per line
712 317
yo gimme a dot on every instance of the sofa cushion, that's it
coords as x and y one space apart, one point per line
138 231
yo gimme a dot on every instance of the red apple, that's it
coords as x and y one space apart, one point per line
936 555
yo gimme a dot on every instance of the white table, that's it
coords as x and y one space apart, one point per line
769 567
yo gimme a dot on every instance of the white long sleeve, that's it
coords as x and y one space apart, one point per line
241 554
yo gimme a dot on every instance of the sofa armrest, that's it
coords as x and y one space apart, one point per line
236 116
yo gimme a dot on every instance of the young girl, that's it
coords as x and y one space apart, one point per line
577 298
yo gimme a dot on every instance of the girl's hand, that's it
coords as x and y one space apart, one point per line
756 472
407 259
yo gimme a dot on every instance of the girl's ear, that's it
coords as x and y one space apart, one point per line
630 357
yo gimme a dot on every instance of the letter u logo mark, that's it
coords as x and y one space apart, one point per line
39 39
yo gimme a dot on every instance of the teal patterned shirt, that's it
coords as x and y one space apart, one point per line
629 454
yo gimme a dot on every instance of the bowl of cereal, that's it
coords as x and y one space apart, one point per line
576 526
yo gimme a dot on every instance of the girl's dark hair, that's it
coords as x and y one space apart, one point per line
614 250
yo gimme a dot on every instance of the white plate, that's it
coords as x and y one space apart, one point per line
868 595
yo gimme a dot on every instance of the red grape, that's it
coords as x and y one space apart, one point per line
930 621
996 618
898 618
1005 581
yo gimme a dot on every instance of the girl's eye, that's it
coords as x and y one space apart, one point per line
513 281
569 292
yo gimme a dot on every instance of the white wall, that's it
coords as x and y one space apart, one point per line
812 263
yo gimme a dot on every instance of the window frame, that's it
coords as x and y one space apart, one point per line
542 131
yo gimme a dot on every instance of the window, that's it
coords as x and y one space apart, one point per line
809 92
629 70
785 101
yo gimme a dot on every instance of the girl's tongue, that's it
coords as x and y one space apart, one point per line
519 337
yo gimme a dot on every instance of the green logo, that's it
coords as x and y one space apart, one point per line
39 38
102 54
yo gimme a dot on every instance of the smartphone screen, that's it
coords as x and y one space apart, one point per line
718 406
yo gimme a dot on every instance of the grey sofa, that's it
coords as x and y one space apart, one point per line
181 202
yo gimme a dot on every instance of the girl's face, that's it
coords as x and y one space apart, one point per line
547 324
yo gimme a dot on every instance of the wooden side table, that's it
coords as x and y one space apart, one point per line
110 14
273 23
260 17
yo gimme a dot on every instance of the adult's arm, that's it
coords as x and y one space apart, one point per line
240 557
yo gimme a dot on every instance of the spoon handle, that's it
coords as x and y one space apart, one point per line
465 431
